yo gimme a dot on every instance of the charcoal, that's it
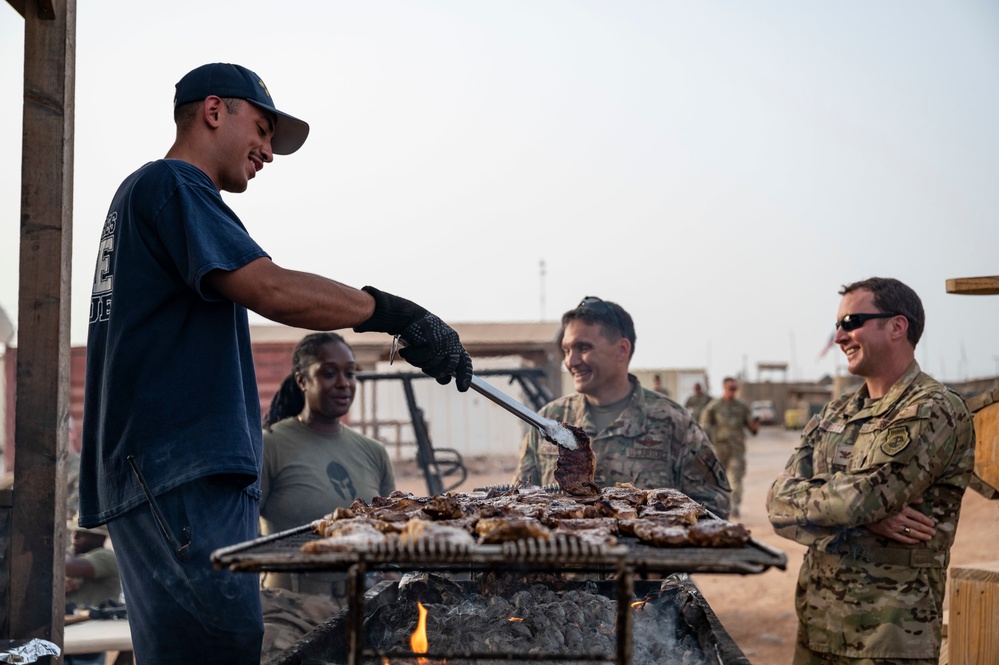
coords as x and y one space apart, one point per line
580 620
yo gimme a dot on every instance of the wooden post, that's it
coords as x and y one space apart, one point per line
973 630
987 443
37 584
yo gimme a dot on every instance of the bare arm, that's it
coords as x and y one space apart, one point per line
79 567
305 300
294 298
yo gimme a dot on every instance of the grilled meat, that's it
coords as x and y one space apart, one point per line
346 536
502 529
661 534
417 531
660 517
575 469
718 533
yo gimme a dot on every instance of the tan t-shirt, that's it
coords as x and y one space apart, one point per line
306 474
104 585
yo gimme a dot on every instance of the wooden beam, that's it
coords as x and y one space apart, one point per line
46 8
18 6
974 286
38 519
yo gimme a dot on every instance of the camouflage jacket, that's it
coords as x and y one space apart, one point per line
653 443
725 421
696 403
859 594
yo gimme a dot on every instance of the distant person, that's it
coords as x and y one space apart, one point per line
91 579
91 568
725 421
171 414
657 385
696 402
639 436
874 491
313 462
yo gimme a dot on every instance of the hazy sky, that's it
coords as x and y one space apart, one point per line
718 168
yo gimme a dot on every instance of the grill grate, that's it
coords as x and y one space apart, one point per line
282 552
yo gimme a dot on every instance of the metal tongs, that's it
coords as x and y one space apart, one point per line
550 429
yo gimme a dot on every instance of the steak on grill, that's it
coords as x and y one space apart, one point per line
575 469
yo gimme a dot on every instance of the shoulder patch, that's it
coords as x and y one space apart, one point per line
898 439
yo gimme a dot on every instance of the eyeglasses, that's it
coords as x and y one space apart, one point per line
854 321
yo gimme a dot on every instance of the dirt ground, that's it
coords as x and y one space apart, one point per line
758 610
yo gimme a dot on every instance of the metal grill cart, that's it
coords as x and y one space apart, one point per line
622 562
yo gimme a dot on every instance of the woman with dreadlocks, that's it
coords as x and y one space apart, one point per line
314 463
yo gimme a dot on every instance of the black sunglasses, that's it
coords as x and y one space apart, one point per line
601 308
854 321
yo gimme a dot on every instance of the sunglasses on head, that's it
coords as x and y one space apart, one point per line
601 308
595 304
854 321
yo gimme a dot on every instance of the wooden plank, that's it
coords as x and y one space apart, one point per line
974 286
46 8
37 584
97 635
973 631
987 445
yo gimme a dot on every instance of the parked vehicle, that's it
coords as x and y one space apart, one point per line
764 411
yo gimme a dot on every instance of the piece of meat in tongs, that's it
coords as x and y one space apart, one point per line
576 467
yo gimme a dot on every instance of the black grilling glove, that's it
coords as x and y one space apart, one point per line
429 343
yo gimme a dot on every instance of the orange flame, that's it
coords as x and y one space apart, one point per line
418 640
639 604
515 619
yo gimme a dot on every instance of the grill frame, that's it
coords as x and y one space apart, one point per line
280 552
629 558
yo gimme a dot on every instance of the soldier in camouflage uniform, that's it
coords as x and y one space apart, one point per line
725 421
874 490
696 402
639 436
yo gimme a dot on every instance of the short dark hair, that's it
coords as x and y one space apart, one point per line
184 114
611 316
893 297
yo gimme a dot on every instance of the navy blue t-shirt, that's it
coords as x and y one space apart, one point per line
170 375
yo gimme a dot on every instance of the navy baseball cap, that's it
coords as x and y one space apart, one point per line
225 80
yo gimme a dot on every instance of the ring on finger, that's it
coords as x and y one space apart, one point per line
906 530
